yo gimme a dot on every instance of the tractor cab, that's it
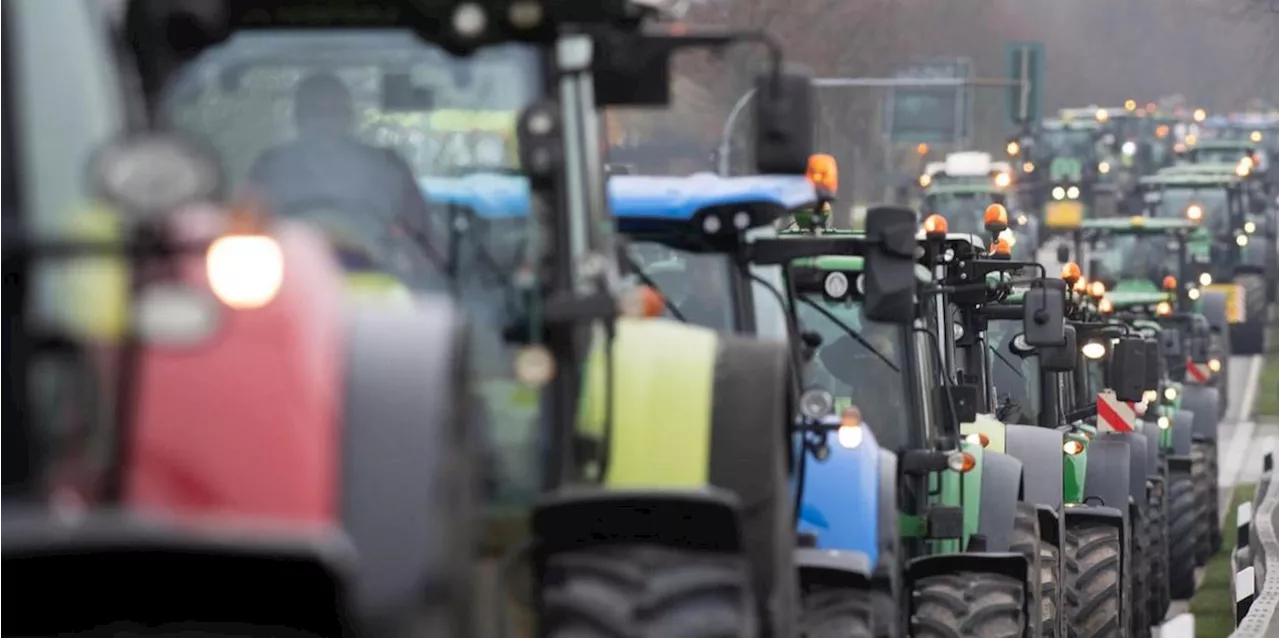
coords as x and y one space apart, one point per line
1239 244
962 207
1069 162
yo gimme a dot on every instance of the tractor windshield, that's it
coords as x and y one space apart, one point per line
859 362
393 145
1065 142
1175 203
1146 257
1015 377
963 211
695 286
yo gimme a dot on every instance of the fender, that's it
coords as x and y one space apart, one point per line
1181 427
1107 476
1152 432
1213 305
890 540
1255 258
663 385
989 425
841 501
1003 563
1001 487
833 567
1204 404
1136 442
576 517
248 424
1040 449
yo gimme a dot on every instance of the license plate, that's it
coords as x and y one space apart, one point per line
1233 294
1064 214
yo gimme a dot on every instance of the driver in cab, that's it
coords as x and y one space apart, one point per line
325 168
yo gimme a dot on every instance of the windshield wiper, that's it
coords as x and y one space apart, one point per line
648 281
851 332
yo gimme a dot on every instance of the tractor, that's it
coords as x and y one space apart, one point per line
1067 161
578 373
1236 245
963 205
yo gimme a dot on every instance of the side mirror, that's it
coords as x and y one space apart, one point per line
1064 253
1151 365
1171 342
784 123
1044 313
1060 358
1128 369
889 273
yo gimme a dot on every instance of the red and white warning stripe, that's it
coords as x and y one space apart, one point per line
1199 372
1115 415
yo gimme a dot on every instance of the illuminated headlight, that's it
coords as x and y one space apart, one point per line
1003 180
957 330
1193 294
1250 227
1129 148
836 285
245 271
1163 422
1073 192
1150 396
1022 220
1059 192
1205 279
1093 350
925 180
1215 364
1170 394
1072 447
1104 167
849 436
1195 213
1242 240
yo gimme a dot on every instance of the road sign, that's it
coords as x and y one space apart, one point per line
1115 415
1025 63
931 114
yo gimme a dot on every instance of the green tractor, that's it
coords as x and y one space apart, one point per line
967 543
1067 161
963 206
1234 247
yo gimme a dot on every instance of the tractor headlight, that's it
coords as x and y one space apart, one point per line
1215 364
1193 294
1129 148
1163 422
850 436
1250 227
1104 167
1205 279
1242 240
1072 447
1059 192
245 271
1073 192
1170 393
836 285
1093 350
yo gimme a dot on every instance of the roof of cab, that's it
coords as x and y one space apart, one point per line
1129 299
981 185
1190 178
679 198
496 196
1137 225
1218 144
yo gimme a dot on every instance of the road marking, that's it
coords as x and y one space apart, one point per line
1251 389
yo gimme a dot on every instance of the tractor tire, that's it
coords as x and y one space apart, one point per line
1139 577
1026 541
1204 503
836 613
1050 590
968 605
885 620
1249 338
1158 558
650 592
1093 604
1184 514
1215 528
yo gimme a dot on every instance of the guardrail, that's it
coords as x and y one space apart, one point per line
1256 561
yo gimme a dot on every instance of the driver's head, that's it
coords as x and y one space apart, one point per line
322 106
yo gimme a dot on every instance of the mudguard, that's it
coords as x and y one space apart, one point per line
226 576
408 456
1256 257
1151 432
840 506
890 540
575 517
1204 403
1181 426
1040 449
1137 444
832 566
1008 564
1107 476
1001 488
1213 305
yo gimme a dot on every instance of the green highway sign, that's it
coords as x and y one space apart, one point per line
1025 64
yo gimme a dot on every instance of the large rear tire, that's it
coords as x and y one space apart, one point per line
1093 604
648 591
1026 541
968 605
836 613
1158 535
1184 514
1139 577
1205 519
